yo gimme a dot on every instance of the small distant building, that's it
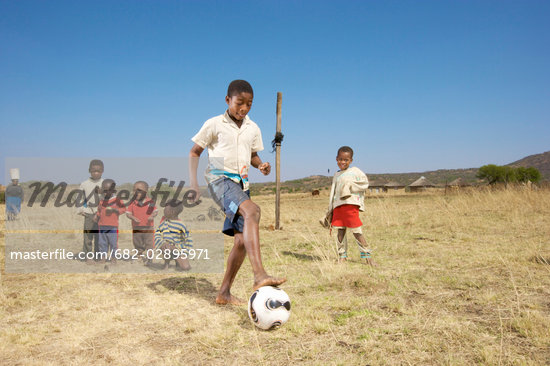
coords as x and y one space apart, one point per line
458 183
393 186
421 184
377 186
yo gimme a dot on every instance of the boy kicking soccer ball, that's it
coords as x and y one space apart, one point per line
233 141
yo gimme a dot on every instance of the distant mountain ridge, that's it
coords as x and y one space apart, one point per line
439 177
539 161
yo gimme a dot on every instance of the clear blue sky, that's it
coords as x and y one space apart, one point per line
410 85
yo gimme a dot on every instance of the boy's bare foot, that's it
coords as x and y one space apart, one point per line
267 281
229 300
342 260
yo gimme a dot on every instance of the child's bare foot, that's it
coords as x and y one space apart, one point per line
370 262
267 281
182 265
342 260
182 269
368 259
229 300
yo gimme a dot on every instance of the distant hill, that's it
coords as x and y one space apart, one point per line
539 161
438 177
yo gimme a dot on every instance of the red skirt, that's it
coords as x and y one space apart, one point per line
346 216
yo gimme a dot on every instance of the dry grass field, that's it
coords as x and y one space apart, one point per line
461 279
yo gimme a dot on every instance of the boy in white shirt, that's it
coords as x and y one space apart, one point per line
90 188
233 141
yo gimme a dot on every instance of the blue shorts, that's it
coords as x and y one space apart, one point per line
108 238
229 196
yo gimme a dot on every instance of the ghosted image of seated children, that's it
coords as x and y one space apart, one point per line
109 209
173 238
14 196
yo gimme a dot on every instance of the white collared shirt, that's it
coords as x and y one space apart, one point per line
229 147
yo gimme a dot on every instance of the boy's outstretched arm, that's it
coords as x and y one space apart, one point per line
132 217
194 156
360 184
256 162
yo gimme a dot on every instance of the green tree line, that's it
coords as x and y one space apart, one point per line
507 174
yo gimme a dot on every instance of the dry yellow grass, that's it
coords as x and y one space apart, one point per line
462 279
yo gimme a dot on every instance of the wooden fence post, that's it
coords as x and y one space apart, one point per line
278 163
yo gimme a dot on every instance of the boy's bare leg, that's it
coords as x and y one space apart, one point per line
164 247
363 244
251 236
149 248
234 261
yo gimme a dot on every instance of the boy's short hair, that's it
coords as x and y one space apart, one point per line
96 162
173 208
238 87
142 182
345 149
108 184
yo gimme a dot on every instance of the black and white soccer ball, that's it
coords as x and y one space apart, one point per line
269 307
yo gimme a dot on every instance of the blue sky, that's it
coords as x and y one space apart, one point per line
410 85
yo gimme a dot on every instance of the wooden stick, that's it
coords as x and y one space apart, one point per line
278 164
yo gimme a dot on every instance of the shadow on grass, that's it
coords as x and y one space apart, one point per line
156 266
246 323
303 257
193 286
244 319
541 259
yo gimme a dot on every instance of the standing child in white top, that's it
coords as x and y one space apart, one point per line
90 189
346 200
